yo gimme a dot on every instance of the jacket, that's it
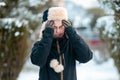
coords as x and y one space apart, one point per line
71 45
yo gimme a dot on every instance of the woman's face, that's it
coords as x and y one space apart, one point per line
58 29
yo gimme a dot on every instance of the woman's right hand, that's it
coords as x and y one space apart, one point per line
50 23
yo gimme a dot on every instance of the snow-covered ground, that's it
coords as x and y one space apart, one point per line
87 71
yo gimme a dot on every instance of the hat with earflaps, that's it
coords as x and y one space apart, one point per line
53 13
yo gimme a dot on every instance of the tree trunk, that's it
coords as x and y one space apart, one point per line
13 50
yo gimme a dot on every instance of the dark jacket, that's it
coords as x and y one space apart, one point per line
72 46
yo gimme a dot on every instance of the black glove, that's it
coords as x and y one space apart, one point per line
66 23
50 24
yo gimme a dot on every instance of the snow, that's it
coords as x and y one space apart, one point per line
114 49
108 23
30 75
87 71
17 33
93 71
26 14
18 22
110 6
86 3
37 2
2 4
107 6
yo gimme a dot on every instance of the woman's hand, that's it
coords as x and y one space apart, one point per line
66 23
50 24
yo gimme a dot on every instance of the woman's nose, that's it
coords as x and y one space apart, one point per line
58 30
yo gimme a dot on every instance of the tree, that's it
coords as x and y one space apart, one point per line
18 18
111 33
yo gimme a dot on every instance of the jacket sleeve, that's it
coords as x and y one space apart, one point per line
41 49
82 53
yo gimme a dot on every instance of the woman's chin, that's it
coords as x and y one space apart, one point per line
58 36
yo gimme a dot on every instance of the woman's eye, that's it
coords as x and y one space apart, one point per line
61 27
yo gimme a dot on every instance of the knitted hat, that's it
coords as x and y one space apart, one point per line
53 13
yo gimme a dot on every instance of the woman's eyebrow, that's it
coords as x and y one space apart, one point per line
61 26
55 26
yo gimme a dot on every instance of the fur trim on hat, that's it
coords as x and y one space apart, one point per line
57 13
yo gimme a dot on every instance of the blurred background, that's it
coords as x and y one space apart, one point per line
96 21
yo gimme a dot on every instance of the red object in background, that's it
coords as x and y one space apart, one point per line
94 41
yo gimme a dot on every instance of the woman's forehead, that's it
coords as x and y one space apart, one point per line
57 22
